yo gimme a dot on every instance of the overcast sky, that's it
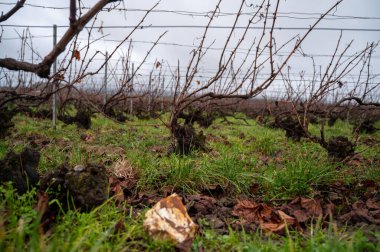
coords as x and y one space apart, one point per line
351 14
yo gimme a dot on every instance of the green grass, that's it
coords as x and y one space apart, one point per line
95 231
317 240
241 155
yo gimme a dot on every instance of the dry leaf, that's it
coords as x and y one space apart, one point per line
42 203
118 193
76 55
252 212
265 216
120 226
372 204
313 207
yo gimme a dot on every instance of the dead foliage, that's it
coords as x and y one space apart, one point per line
268 218
368 212
46 214
122 180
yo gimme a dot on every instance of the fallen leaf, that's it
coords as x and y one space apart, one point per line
120 226
271 220
251 211
76 55
118 193
301 215
312 206
304 209
42 203
277 228
372 204
360 213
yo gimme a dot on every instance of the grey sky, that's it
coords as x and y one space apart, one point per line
290 15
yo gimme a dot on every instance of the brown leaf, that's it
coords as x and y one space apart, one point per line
118 193
313 207
301 215
158 64
251 211
120 226
360 213
304 209
277 228
329 209
198 82
288 219
76 55
278 225
372 204
42 203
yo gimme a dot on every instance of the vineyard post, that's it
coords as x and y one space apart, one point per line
105 79
131 90
54 112
163 93
149 92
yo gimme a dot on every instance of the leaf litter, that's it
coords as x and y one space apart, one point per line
217 210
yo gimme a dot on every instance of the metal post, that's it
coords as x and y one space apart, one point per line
54 112
105 79
163 93
149 92
131 90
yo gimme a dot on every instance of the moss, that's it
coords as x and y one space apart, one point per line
87 185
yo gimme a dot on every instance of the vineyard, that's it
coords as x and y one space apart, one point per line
241 134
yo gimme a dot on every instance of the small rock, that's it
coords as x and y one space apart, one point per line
168 219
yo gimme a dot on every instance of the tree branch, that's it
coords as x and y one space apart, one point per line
43 69
10 13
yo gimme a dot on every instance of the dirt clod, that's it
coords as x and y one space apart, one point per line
87 185
20 169
6 116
